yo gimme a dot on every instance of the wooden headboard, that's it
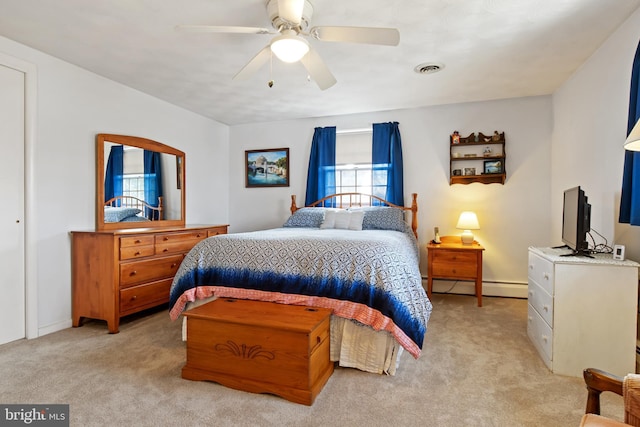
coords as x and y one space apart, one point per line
134 202
347 200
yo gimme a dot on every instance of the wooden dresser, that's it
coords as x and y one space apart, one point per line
119 272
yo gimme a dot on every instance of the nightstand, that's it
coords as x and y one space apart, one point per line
452 260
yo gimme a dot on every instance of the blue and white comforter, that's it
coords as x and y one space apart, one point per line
370 276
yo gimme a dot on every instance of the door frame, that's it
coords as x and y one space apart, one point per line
30 225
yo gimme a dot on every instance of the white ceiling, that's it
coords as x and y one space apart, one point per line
491 49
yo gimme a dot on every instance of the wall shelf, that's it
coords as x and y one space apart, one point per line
477 158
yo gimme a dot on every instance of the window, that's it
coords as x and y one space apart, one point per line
133 185
354 172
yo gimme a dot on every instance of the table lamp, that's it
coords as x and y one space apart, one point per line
468 221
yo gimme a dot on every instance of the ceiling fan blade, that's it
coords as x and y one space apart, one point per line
254 65
318 70
370 35
291 10
222 29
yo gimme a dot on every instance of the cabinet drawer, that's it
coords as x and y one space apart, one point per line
178 242
541 272
132 273
217 230
137 298
541 301
129 241
540 334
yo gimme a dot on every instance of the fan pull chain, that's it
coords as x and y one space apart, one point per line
270 82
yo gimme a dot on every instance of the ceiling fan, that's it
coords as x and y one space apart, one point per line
290 20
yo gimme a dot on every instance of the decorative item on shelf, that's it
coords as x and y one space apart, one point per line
456 154
496 136
436 232
468 221
471 155
476 138
457 172
492 166
455 137
487 151
469 171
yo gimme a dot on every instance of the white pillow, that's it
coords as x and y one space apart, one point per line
344 220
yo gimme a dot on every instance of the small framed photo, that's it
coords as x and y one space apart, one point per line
493 166
267 168
469 171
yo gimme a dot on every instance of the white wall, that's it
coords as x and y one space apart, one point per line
74 105
590 124
512 217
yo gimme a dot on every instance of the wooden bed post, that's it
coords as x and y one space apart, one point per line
414 213
293 204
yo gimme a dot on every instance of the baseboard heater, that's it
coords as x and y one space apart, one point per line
489 288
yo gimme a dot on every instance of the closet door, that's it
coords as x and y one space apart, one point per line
12 246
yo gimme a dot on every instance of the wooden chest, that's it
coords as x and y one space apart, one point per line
260 347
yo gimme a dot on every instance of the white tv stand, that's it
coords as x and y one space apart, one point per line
582 312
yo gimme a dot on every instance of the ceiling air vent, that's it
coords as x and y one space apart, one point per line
428 68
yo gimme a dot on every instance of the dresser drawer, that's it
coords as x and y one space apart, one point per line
541 301
139 297
132 252
178 242
458 264
540 334
217 230
541 272
129 241
135 272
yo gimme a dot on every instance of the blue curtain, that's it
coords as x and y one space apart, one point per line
321 176
630 199
387 162
152 179
114 172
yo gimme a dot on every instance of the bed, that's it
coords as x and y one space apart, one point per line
341 253
131 209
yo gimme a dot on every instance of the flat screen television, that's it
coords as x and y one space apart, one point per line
576 221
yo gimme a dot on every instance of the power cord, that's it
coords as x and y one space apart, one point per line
600 248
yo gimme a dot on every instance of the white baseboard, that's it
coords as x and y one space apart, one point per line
55 327
489 289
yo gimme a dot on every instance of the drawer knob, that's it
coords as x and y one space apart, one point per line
133 273
545 308
530 319
165 250
546 276
165 238
530 266
137 241
137 253
530 293
198 235
133 298
174 265
545 338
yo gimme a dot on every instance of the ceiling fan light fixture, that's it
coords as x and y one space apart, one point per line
289 47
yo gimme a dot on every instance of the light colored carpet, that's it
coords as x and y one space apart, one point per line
478 368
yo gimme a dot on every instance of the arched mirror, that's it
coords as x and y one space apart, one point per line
140 183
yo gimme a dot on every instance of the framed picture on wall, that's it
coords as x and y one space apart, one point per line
267 168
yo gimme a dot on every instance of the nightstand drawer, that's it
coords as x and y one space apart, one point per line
456 271
454 257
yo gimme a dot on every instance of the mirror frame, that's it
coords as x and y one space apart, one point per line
145 144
